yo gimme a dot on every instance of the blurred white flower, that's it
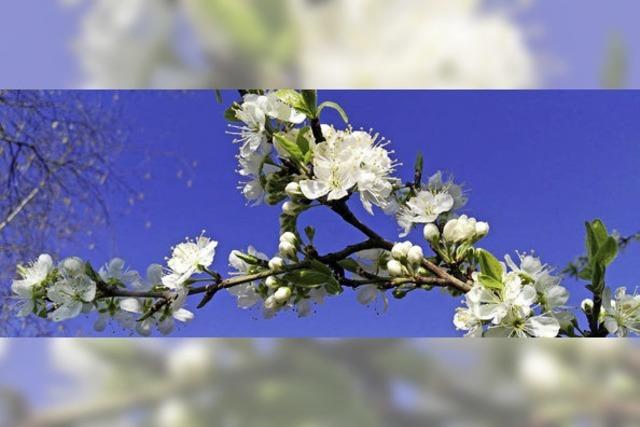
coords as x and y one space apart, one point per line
69 295
31 276
115 270
622 314
246 293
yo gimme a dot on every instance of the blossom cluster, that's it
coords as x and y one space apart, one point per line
64 291
515 300
620 313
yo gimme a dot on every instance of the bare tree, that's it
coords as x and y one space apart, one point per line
57 151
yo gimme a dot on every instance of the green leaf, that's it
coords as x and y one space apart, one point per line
607 252
294 99
490 282
349 265
306 277
311 101
302 142
335 106
291 148
489 265
249 259
596 236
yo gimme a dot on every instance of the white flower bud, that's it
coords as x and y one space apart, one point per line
482 229
271 282
73 266
288 236
276 263
587 305
415 255
431 232
400 250
286 249
270 303
282 294
293 189
395 268
289 208
459 229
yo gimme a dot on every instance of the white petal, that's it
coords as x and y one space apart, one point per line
66 311
183 315
367 294
313 189
542 326
131 305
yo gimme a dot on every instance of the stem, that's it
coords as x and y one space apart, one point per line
316 128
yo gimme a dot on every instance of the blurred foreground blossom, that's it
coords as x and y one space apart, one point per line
326 43
320 383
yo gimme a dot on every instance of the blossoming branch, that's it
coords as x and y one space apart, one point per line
288 157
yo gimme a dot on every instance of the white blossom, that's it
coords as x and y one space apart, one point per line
246 293
437 184
316 296
423 208
622 314
520 307
115 270
253 113
187 258
348 160
69 295
551 295
31 276
368 294
534 326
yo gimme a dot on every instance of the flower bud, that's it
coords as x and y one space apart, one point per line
293 189
400 250
73 266
415 255
587 305
289 208
288 236
270 302
271 282
431 232
282 294
276 263
459 229
395 268
286 249
482 229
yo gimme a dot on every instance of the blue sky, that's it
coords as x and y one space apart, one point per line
536 164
